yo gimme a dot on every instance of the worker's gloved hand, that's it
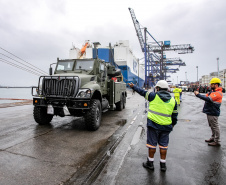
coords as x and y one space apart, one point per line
131 84
196 92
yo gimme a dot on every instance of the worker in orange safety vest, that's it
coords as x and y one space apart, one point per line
212 109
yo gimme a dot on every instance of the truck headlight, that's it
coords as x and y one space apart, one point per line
84 93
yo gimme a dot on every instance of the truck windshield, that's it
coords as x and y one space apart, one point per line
65 66
84 64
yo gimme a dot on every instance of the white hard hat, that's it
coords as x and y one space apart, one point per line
162 84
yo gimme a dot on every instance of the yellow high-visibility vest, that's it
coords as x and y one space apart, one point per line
160 112
177 91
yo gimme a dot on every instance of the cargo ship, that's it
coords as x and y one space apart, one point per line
120 54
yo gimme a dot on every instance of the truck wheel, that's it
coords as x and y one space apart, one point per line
41 116
119 105
93 116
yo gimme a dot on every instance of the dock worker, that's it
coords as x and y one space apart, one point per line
211 108
161 118
177 92
180 94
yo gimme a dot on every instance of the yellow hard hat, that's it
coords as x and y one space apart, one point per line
215 81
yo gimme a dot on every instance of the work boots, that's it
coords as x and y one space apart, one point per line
163 166
209 140
149 164
214 144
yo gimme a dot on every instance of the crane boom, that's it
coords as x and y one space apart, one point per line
183 48
137 28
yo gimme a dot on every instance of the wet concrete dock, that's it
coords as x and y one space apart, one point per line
58 153
189 160
65 153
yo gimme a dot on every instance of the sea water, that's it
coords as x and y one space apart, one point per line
15 93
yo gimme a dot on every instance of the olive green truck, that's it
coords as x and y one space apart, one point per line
81 88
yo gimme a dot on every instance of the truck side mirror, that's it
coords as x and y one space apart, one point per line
50 71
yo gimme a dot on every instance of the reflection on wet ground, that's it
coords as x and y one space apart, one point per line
6 102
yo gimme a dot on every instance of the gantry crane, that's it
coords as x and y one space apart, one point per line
148 53
153 53
182 49
173 61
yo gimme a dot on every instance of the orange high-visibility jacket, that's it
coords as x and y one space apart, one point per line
212 102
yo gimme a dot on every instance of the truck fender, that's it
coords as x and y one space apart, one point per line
97 95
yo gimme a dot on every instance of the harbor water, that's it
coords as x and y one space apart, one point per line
14 93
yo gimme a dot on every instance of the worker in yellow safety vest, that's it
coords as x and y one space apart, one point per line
177 92
161 118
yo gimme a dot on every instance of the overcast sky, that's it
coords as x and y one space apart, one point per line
40 31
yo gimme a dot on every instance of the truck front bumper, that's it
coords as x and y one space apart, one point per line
59 103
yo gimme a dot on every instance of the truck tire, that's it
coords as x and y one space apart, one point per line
41 116
119 105
93 116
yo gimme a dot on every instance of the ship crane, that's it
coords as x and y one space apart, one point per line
83 50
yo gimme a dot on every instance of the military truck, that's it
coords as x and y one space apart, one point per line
79 87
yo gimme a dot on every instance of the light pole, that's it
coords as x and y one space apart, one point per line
218 66
197 73
186 76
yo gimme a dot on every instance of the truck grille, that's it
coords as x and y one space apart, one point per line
58 86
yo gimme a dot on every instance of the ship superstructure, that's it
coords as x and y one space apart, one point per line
128 63
120 54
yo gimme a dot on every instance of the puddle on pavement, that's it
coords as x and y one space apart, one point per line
121 122
137 136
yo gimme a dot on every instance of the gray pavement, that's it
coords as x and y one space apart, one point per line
190 160
65 153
